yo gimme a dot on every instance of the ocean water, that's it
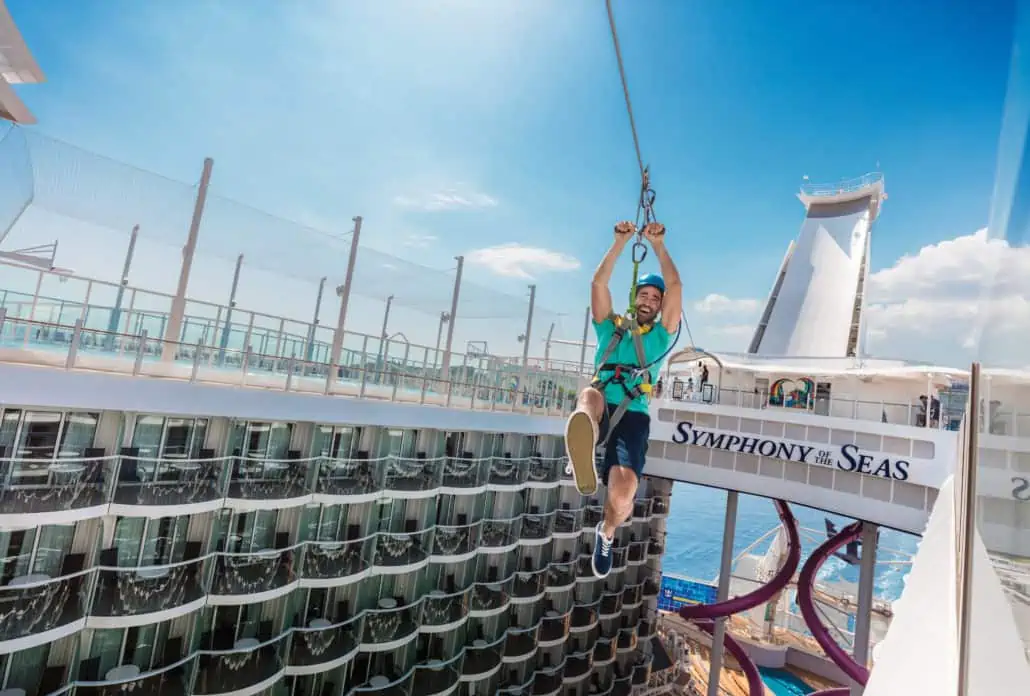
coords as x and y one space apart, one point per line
694 542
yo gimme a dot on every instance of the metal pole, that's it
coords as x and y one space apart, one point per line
445 368
309 351
175 316
444 317
583 346
116 311
547 348
729 531
381 355
965 481
866 576
529 328
223 341
344 292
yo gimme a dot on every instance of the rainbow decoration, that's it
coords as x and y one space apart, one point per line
791 393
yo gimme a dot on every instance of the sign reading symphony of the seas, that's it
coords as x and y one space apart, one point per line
844 457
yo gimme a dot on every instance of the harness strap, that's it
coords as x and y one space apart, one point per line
623 325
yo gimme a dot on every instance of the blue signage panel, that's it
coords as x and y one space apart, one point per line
677 592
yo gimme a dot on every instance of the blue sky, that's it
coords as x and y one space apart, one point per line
462 125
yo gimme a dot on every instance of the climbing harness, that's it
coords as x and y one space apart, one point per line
619 372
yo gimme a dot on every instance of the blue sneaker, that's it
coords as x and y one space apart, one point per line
602 560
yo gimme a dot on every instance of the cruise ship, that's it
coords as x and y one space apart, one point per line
198 499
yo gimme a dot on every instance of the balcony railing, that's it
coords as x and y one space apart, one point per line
245 574
456 540
441 609
386 626
333 561
149 589
78 346
322 641
34 604
248 664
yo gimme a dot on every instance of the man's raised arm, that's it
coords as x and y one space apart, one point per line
600 295
672 300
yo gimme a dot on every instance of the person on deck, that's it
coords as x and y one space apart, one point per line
657 305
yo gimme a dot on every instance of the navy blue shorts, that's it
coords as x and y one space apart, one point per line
628 444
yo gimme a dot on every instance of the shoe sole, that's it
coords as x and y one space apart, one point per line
580 443
597 573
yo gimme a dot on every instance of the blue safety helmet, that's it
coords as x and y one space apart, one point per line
653 280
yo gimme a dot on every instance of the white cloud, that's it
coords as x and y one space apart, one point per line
514 260
419 241
453 198
953 301
720 304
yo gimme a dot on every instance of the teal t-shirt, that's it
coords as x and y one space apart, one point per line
656 341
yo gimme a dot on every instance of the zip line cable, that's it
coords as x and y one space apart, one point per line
647 194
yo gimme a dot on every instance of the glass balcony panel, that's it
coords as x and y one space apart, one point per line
583 617
171 680
247 664
546 683
500 533
252 573
437 677
568 521
33 604
412 475
507 472
561 575
349 476
441 609
45 485
464 473
490 596
578 666
554 627
322 641
324 560
268 479
148 589
544 470
537 526
527 585
481 657
520 643
456 541
144 481
388 625
399 549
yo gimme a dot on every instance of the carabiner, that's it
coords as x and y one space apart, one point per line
640 247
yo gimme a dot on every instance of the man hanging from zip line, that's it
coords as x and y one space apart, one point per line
613 410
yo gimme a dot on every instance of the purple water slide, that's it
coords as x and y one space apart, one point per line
806 582
767 591
755 686
835 691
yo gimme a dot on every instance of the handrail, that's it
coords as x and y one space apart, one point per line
843 186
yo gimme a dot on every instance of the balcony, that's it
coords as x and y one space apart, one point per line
592 516
627 639
561 576
248 668
398 553
619 554
323 645
334 563
504 473
641 671
583 618
463 475
544 473
196 483
348 480
528 587
37 487
578 667
537 529
568 523
641 510
660 506
171 680
132 596
390 626
650 589
443 612
255 480
631 595
547 683
35 609
248 578
482 659
520 644
490 598
388 685
604 651
637 552
451 543
499 536
554 628
437 678
413 478
623 684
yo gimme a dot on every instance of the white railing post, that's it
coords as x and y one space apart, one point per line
73 349
289 372
141 350
196 361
